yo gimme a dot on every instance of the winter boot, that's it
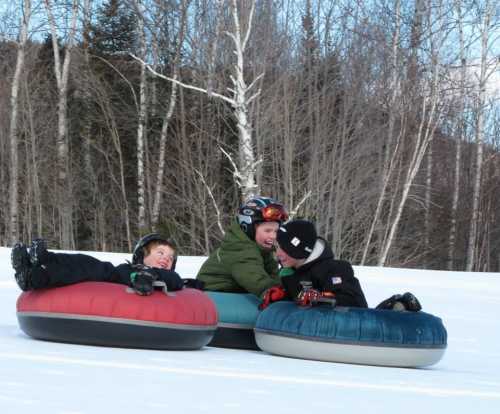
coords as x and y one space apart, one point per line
38 252
411 302
20 260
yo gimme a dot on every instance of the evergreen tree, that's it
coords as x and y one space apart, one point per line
114 32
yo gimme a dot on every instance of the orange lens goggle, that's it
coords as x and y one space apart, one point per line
274 212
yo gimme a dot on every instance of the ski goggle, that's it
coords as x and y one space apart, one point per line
274 212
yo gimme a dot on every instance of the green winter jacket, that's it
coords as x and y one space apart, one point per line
239 265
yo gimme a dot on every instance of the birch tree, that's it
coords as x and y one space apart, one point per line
245 172
141 124
13 138
431 109
416 40
244 169
61 71
158 190
460 130
391 151
485 71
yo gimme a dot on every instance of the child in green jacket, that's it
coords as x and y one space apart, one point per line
244 262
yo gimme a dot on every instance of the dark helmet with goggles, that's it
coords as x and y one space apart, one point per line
138 253
258 210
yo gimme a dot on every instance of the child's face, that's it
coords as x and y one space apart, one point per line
286 260
265 234
160 256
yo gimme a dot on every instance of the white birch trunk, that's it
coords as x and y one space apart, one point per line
428 188
37 199
388 158
416 41
161 161
14 155
62 76
141 122
460 127
155 56
456 195
166 122
428 121
422 140
472 244
247 164
89 171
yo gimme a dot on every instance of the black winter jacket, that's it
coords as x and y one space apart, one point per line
326 274
63 269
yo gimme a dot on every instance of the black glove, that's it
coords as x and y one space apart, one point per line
194 283
142 281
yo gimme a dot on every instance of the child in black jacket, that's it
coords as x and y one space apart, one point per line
310 272
153 259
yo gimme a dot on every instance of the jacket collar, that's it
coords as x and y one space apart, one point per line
318 249
321 251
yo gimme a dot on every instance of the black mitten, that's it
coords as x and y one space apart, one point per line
142 281
194 284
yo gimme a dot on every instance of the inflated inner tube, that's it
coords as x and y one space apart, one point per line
109 314
352 335
237 315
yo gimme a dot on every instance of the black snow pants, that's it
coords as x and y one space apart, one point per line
61 269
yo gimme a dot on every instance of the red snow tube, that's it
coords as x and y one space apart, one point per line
109 314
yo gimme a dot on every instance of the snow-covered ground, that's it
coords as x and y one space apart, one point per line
44 377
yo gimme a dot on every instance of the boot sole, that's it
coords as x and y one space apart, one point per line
20 262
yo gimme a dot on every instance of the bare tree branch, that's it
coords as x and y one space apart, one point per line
217 210
182 84
295 210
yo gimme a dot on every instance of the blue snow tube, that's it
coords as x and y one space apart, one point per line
237 315
351 335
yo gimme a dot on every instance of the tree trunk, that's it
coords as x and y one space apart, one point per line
14 99
33 162
158 191
247 163
429 116
428 194
141 126
65 202
481 99
460 128
389 158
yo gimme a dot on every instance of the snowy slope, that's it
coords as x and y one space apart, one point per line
43 377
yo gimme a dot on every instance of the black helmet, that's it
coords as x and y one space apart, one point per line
257 210
138 253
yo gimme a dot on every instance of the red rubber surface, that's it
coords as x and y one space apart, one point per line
186 307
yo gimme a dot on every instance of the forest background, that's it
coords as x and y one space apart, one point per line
378 119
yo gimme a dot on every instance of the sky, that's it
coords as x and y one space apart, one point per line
46 377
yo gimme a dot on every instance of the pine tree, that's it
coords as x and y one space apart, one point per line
114 33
